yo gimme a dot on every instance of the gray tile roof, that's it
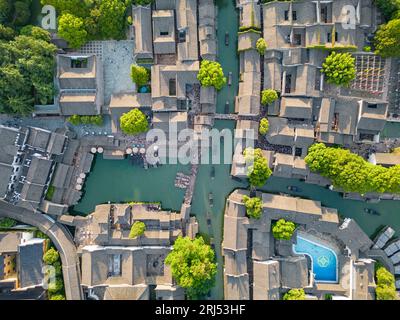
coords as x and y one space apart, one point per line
30 262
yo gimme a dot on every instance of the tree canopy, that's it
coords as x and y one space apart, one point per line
264 126
351 172
258 170
140 75
211 75
283 230
295 294
253 207
339 68
261 46
101 19
137 229
15 14
134 122
385 285
51 256
72 29
387 39
7 223
193 265
388 8
268 96
26 72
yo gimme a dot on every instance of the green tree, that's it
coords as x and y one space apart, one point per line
295 294
387 39
261 46
264 126
74 119
137 229
6 33
7 223
22 13
351 172
112 19
35 32
283 230
385 285
388 8
140 75
51 256
71 28
211 75
79 8
339 68
55 287
253 207
193 265
134 122
57 297
268 96
258 170
5 10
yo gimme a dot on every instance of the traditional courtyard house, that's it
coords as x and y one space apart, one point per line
80 79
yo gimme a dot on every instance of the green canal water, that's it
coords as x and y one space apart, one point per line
120 181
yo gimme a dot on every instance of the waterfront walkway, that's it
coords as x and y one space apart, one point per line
62 240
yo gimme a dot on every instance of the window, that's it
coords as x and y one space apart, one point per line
298 152
318 75
373 106
182 36
297 39
336 36
324 14
172 87
79 63
307 59
328 37
288 38
288 86
286 15
294 15
114 265
164 33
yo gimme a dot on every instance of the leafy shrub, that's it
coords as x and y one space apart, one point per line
134 122
261 46
339 68
211 75
140 75
264 126
138 229
193 265
283 230
295 294
253 207
268 96
258 170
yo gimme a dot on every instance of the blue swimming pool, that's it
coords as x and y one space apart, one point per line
324 259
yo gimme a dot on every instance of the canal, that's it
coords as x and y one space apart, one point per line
120 181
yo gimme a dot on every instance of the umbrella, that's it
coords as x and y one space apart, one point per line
100 150
129 151
93 150
135 150
78 187
142 150
82 175
79 180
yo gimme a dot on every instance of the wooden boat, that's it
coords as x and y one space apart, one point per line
230 78
227 38
212 172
